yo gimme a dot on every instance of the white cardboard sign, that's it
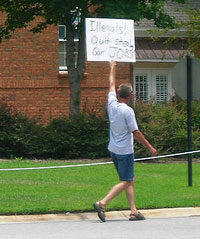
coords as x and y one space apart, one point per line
110 39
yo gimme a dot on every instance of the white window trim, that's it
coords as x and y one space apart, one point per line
144 73
151 75
63 69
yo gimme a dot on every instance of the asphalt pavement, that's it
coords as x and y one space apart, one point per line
152 228
173 223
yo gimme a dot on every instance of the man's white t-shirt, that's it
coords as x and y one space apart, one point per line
122 124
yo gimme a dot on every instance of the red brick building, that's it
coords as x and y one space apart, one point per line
33 77
30 79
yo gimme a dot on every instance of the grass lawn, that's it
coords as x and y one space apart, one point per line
75 189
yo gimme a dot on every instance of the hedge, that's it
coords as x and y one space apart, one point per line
87 135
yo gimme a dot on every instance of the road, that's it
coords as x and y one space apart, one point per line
152 228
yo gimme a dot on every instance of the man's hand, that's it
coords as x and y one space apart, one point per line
153 151
112 76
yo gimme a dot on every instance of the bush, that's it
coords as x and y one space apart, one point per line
165 126
87 135
20 136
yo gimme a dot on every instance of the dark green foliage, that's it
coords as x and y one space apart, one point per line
20 13
87 135
84 136
165 126
19 135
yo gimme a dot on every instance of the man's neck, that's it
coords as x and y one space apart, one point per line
123 100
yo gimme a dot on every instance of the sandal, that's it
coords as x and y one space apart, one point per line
136 216
100 210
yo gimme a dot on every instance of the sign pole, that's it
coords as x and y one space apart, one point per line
189 117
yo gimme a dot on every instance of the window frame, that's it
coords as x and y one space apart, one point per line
63 40
63 69
151 74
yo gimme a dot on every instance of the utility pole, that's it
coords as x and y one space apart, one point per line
189 117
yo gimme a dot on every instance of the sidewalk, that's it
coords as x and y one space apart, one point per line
150 213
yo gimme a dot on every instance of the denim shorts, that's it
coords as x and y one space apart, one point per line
124 165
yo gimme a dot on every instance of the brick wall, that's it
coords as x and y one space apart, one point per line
30 80
95 84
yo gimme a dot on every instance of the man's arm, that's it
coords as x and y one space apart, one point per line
112 76
141 139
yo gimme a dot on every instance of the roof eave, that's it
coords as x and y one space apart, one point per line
158 60
145 32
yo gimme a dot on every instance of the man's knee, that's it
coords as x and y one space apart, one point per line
130 183
127 183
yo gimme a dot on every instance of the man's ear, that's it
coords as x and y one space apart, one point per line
117 92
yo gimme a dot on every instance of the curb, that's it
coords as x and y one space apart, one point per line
150 213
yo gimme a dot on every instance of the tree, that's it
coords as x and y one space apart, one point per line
192 27
187 30
22 13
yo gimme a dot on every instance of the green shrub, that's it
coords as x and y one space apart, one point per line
165 126
20 136
87 135
196 115
6 129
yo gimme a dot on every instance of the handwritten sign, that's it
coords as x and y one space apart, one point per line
110 39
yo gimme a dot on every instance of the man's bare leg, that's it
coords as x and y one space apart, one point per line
131 197
116 190
135 214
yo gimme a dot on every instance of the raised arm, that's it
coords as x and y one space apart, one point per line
112 76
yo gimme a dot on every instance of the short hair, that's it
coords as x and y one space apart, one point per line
125 90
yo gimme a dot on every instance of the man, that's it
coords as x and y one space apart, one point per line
123 127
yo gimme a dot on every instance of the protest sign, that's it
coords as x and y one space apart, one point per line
110 39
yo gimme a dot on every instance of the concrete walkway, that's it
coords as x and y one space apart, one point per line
114 215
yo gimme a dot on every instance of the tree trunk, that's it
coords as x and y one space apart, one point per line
75 94
75 69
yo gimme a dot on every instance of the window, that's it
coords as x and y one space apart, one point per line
62 32
76 14
141 87
152 84
62 48
161 88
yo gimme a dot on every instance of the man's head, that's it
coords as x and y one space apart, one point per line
125 91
